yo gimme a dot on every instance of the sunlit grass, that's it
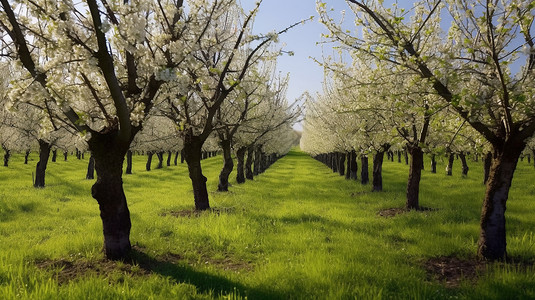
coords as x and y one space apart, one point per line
296 231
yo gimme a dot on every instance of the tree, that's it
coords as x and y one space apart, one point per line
470 69
100 82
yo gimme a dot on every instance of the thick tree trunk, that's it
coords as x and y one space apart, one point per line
486 166
240 168
449 167
108 190
91 168
168 158
353 166
40 169
364 175
149 161
129 162
160 160
249 174
193 155
341 161
415 174
462 156
348 165
377 180
27 154
182 155
7 155
433 163
228 165
492 239
54 155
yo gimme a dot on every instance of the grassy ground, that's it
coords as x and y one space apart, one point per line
297 231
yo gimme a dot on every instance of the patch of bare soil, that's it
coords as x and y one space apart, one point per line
452 270
66 270
191 213
391 212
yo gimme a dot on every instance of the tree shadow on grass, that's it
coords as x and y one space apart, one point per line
169 265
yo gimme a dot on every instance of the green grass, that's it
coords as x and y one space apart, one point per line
298 231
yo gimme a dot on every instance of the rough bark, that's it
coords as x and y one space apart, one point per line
364 175
129 162
240 168
433 163
449 167
341 160
27 154
228 165
160 160
486 166
193 155
353 166
91 168
7 155
377 175
149 161
109 152
40 169
249 174
492 240
465 168
415 174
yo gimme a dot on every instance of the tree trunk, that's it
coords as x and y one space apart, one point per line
160 160
364 175
377 180
249 163
433 163
193 155
228 165
240 172
149 160
492 239
65 154
486 166
176 158
78 154
182 155
91 168
257 160
353 166
26 155
341 161
129 162
406 156
449 167
54 155
335 162
7 155
348 165
399 156
168 158
40 169
415 174
109 153
462 156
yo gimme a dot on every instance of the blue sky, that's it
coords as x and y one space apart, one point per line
305 74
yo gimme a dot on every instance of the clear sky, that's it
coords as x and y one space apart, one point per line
305 74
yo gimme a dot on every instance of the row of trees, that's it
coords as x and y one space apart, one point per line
103 69
414 83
